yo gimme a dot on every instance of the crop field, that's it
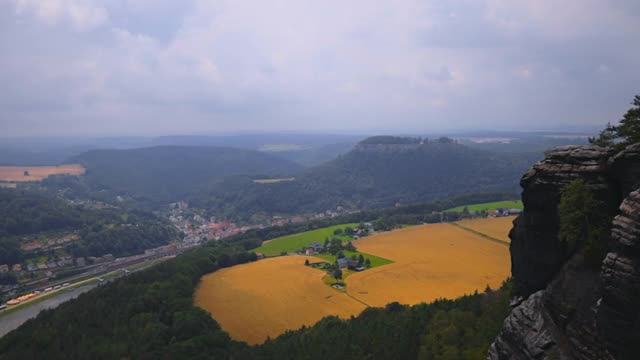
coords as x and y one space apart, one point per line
430 262
295 242
510 204
425 263
273 181
37 173
267 297
497 228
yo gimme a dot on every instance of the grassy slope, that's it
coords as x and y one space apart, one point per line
295 242
511 204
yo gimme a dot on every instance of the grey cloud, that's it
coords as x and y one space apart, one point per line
128 66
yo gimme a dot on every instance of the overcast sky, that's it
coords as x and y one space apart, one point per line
78 67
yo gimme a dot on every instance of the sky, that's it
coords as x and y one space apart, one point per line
153 67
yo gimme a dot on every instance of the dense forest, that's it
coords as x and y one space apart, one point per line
379 172
116 231
149 315
374 175
165 174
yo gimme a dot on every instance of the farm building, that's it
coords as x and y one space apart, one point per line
349 263
310 251
316 246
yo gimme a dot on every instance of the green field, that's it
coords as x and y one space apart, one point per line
295 242
510 204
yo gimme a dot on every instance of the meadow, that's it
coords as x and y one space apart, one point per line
37 173
509 204
295 242
267 297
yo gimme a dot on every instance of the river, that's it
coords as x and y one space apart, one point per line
17 318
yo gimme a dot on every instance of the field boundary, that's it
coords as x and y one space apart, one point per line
490 238
356 299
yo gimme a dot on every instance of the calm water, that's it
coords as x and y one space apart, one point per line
15 319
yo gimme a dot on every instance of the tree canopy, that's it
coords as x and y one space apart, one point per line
625 133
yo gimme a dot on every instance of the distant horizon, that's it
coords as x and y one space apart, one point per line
585 131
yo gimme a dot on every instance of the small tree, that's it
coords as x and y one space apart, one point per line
340 255
306 262
337 274
338 232
465 211
350 246
360 260
367 263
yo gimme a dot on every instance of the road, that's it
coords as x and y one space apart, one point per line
13 320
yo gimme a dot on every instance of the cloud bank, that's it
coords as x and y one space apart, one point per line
72 67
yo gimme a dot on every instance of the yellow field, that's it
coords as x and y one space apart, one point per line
430 262
495 227
267 297
37 173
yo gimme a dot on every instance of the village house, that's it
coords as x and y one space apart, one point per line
343 263
16 268
4 268
349 264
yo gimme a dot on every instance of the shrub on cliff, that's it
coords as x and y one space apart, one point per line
583 223
627 132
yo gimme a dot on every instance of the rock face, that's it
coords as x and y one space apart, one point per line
536 252
571 311
619 311
625 166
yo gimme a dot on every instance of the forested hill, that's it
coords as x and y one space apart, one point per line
168 173
111 230
380 171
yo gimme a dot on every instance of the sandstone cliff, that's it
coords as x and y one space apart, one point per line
566 309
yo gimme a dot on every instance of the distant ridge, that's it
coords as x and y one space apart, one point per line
380 171
168 173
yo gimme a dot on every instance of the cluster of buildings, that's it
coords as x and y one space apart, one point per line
198 229
503 212
55 263
49 243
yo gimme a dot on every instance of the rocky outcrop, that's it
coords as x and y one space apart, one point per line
619 310
625 166
567 309
536 253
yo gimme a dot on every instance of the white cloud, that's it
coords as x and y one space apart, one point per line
81 15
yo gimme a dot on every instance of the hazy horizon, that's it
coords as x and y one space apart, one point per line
147 68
